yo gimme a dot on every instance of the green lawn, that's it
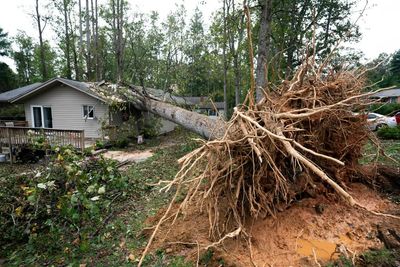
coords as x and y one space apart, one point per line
391 149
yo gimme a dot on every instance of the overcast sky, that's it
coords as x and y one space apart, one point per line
378 25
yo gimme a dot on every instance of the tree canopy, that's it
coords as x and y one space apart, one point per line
181 53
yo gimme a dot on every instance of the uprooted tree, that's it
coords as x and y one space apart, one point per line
302 136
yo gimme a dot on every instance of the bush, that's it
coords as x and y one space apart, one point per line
62 204
389 133
13 111
385 108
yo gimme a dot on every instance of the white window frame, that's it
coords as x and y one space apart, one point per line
83 112
41 113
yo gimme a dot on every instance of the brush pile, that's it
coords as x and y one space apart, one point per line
302 138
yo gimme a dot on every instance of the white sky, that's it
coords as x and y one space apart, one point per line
378 25
379 28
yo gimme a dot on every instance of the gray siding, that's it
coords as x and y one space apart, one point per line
66 105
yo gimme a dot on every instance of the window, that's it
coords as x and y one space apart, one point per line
42 117
88 112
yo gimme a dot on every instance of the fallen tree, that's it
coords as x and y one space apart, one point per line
162 104
301 137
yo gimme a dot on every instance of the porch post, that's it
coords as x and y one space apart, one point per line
83 140
10 145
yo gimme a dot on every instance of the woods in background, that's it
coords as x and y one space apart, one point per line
112 41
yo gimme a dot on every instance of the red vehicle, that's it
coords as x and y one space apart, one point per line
397 116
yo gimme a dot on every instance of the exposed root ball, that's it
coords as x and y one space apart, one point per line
300 138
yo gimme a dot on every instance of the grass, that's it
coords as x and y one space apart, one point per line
371 258
120 243
391 149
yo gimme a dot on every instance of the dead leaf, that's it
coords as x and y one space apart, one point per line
131 257
122 243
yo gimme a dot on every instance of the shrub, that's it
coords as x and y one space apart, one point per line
67 200
385 108
389 133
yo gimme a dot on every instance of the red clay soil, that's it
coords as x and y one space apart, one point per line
311 229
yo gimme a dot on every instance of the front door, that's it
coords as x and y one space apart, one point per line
41 117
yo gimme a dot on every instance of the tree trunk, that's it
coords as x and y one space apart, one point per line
67 40
88 59
79 73
120 41
96 42
201 124
225 62
75 53
42 53
264 36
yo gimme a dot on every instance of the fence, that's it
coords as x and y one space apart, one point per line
14 137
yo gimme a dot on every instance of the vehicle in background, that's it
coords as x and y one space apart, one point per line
397 117
377 121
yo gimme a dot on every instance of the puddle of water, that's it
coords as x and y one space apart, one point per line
324 250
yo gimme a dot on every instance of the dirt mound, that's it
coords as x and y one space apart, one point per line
323 228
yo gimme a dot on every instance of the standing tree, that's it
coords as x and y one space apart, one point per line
4 43
88 50
23 57
7 76
39 20
395 68
264 47
67 38
225 12
65 35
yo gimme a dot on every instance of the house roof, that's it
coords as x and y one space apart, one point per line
12 94
395 92
80 86
195 100
104 91
203 102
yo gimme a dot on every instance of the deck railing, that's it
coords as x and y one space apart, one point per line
13 123
19 136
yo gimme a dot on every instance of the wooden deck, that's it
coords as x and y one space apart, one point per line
15 137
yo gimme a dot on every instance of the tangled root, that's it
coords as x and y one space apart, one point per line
302 137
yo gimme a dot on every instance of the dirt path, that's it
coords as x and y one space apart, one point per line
130 156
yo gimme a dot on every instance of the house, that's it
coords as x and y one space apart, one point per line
388 95
66 104
204 105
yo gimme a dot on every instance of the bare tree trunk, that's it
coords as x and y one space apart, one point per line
75 53
96 42
201 124
264 43
67 40
79 73
42 52
88 59
235 52
225 62
119 39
